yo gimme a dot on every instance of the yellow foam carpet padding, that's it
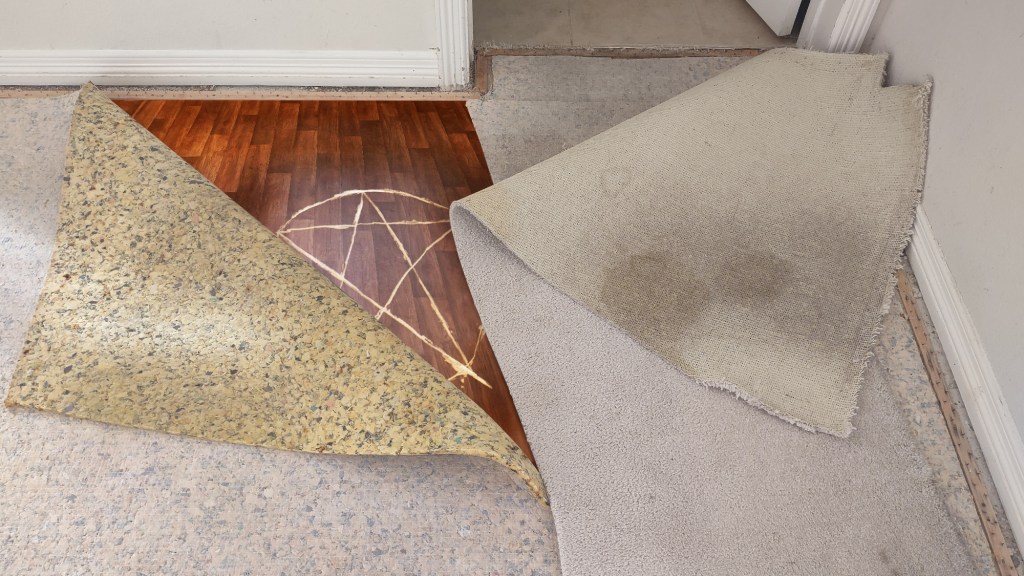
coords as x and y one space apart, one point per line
167 307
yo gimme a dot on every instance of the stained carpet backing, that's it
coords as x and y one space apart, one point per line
746 231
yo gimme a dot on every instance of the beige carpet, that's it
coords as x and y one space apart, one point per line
745 231
652 474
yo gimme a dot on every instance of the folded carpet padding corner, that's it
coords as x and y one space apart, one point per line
746 231
167 307
648 472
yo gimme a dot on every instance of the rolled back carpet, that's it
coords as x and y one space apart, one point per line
745 231
742 235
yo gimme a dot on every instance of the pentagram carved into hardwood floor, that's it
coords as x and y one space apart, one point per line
362 190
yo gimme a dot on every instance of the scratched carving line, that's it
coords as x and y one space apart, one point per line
348 193
352 226
411 267
462 366
355 231
476 347
419 279
461 369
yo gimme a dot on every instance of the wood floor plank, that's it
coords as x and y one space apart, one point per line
229 112
308 114
213 156
193 142
455 118
303 190
251 182
281 156
266 122
427 173
410 122
328 137
328 171
182 123
238 148
394 138
165 118
366 111
352 163
348 118
147 112
476 174
376 166
441 147
249 108
274 209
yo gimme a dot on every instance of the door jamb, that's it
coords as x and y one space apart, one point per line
837 25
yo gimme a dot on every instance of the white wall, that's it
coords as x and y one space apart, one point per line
974 189
218 24
413 43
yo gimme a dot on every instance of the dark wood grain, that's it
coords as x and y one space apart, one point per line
276 158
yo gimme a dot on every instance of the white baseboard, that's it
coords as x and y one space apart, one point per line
989 413
368 68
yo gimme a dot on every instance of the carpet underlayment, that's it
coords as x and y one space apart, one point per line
648 472
84 497
167 307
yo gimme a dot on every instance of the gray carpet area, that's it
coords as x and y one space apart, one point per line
649 473
80 497
652 474
539 106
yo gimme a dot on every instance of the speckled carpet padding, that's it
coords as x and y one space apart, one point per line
648 472
746 231
167 307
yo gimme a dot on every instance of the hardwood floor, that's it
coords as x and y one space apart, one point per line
361 189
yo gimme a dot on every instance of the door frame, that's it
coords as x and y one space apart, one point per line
837 25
